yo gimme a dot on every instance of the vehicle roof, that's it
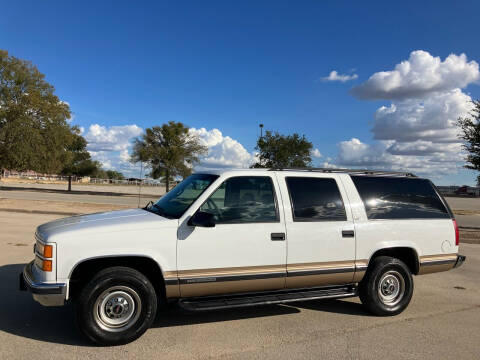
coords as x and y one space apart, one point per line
368 172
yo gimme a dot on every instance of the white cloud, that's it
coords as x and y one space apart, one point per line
316 153
124 156
335 76
328 165
417 130
113 138
354 153
111 146
420 148
223 151
431 119
104 157
418 76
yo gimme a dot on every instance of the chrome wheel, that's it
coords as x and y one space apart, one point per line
117 308
391 288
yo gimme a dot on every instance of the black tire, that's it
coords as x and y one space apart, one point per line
377 290
113 296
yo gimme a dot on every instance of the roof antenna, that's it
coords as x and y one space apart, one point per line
140 185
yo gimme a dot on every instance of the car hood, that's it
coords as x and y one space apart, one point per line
112 221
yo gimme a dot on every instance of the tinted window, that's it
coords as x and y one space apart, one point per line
399 198
315 199
244 199
174 203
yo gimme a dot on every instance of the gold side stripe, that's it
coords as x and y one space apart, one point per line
232 271
361 263
442 257
251 270
320 265
248 270
170 274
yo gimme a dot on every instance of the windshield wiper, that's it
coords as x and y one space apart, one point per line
149 204
161 211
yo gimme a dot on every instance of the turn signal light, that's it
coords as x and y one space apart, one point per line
48 251
47 265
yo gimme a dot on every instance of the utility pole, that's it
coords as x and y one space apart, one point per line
140 185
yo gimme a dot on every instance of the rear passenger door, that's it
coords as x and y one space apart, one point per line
320 230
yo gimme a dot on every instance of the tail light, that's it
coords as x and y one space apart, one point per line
457 235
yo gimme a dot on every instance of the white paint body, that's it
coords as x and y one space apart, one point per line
175 246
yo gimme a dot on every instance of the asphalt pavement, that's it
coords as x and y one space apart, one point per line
442 321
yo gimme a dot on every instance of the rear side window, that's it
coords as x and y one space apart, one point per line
399 198
315 199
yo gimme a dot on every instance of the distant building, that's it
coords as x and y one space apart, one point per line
464 190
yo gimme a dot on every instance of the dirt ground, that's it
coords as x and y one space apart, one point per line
55 207
62 186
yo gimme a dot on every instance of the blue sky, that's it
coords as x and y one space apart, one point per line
124 66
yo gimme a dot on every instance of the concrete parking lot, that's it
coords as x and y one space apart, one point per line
440 323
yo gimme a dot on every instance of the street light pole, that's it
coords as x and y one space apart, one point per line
261 131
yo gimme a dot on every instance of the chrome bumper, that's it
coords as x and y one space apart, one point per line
46 294
460 260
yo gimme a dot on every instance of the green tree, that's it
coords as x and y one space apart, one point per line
470 127
283 151
78 161
34 131
100 174
115 175
169 150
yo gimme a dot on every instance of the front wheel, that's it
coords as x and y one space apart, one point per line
117 306
387 287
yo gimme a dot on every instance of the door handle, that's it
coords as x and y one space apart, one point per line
277 236
348 233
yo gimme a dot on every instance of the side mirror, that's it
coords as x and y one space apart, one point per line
202 219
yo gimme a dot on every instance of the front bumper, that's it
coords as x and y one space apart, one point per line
460 260
47 294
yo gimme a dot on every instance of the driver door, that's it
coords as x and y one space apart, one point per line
245 250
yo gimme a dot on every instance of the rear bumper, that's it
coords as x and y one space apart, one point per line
441 262
47 294
460 260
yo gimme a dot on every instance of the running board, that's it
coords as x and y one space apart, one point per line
279 297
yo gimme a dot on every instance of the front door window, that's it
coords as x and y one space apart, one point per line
243 199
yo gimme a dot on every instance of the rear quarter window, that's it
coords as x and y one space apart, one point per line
399 198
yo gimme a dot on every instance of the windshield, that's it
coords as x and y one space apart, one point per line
174 203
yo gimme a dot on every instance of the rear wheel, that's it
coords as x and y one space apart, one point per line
117 306
387 288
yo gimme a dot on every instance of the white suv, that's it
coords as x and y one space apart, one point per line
242 238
